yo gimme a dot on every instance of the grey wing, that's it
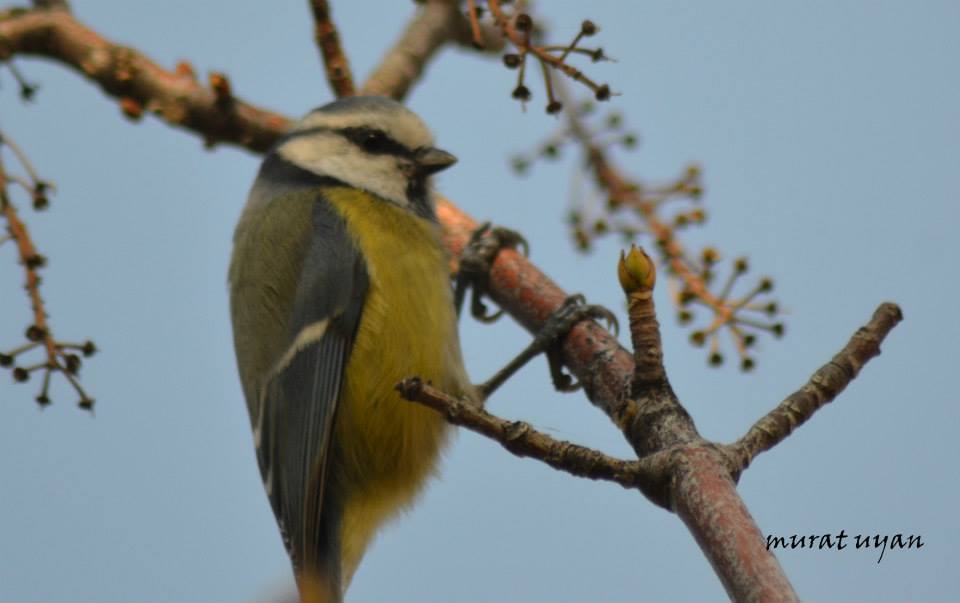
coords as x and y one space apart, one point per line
298 402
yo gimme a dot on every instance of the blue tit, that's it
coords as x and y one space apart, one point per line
340 288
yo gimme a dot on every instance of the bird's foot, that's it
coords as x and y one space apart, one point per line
476 260
549 340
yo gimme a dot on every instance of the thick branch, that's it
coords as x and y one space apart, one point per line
823 386
706 499
531 297
133 79
328 41
523 440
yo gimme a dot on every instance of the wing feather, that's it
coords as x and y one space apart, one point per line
299 401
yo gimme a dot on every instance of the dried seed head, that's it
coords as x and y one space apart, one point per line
35 333
698 338
88 349
6 360
35 261
550 150
602 93
40 199
520 165
715 359
582 239
521 93
523 22
27 91
554 107
72 362
511 60
20 374
588 27
747 364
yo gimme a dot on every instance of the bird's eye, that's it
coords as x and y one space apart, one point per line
374 141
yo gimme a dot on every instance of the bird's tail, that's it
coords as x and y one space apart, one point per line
315 587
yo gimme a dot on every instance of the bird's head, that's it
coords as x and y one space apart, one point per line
372 143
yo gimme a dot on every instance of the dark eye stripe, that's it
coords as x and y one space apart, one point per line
375 141
360 136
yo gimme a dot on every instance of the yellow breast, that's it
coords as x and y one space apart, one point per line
387 446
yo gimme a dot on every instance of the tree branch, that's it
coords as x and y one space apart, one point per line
328 41
735 313
436 23
821 389
523 440
137 82
31 260
58 356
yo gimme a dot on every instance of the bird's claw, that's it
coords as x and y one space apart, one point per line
573 310
476 260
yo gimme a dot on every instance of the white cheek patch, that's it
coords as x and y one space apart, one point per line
330 155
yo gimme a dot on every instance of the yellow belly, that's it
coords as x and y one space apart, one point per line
388 447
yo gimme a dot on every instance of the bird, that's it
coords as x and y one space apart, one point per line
339 289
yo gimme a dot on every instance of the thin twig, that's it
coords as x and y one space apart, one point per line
436 23
328 41
523 440
821 389
21 158
522 41
474 17
28 259
692 275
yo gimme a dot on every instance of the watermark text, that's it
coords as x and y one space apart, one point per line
841 540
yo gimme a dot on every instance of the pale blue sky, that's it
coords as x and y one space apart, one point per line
830 138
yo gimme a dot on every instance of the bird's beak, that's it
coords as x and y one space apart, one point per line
431 160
